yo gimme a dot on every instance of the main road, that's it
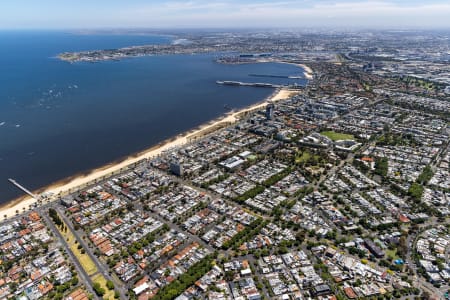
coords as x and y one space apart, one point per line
100 266
80 271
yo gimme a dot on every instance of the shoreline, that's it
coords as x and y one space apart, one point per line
308 71
70 184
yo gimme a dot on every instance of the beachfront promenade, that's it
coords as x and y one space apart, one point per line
70 185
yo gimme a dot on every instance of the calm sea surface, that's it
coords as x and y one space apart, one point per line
58 119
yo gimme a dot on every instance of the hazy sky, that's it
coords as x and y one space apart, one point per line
64 14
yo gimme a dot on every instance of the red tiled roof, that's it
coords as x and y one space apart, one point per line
349 292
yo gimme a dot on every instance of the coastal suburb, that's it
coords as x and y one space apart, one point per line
335 186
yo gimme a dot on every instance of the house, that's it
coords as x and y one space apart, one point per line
374 249
321 290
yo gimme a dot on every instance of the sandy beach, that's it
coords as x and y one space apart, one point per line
308 71
69 185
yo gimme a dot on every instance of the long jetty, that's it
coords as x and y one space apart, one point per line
18 185
276 76
256 84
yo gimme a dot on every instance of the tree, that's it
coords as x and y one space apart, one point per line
426 175
58 296
13 286
110 285
175 288
381 166
415 191
300 236
98 289
402 249
55 217
74 281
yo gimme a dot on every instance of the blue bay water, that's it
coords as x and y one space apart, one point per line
59 119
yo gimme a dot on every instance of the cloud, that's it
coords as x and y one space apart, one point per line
293 14
229 13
